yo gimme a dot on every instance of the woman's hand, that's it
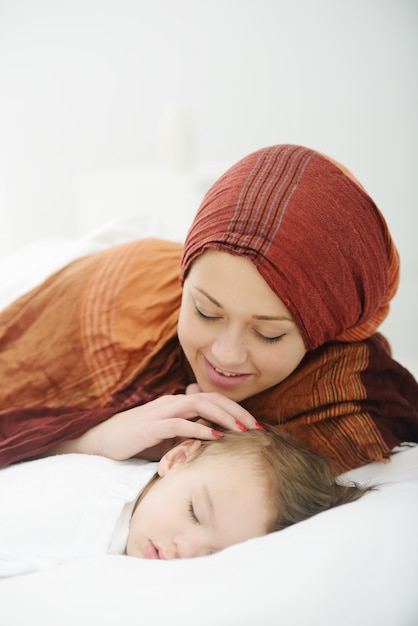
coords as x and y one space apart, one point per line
148 431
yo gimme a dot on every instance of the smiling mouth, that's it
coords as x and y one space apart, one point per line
224 373
224 379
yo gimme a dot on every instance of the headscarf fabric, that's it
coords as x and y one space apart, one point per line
313 233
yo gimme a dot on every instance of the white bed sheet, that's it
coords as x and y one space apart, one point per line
357 564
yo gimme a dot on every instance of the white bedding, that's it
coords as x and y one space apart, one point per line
357 564
65 507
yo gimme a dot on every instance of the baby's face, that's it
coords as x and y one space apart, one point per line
199 507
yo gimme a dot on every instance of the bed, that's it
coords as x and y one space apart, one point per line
357 564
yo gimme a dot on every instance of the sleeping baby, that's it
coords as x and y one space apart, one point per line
200 498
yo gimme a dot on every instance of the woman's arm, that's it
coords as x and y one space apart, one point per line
151 429
147 430
30 432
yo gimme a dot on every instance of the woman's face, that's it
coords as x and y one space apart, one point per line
237 335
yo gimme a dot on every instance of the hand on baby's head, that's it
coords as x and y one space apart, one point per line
211 495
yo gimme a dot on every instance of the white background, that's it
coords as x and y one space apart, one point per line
101 101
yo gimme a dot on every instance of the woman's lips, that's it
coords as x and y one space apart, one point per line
223 378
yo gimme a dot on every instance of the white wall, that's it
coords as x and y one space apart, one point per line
84 85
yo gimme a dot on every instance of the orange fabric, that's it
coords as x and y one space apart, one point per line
322 404
92 328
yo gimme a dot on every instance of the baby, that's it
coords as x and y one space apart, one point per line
200 498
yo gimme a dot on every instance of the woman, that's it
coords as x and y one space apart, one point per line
288 270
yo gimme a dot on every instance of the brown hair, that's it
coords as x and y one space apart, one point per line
299 482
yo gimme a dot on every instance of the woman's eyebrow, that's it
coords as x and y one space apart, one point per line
263 318
273 318
204 293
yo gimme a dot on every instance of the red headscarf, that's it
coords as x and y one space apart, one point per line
313 233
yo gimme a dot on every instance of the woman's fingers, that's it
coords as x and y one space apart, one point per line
192 388
217 409
185 429
161 422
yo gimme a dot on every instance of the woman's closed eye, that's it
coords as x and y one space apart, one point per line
204 316
213 318
269 339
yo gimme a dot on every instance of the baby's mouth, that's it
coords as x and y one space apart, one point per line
151 551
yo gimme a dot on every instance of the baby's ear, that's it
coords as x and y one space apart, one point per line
178 455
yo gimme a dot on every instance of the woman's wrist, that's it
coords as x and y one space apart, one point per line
82 445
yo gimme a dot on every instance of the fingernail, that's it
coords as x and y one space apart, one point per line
259 426
241 426
217 434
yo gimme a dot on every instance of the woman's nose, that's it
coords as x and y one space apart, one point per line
228 348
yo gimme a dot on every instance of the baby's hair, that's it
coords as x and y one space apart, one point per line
299 483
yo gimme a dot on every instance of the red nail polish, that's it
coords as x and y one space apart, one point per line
217 433
259 426
241 426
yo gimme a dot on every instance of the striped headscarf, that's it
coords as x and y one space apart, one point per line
314 234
